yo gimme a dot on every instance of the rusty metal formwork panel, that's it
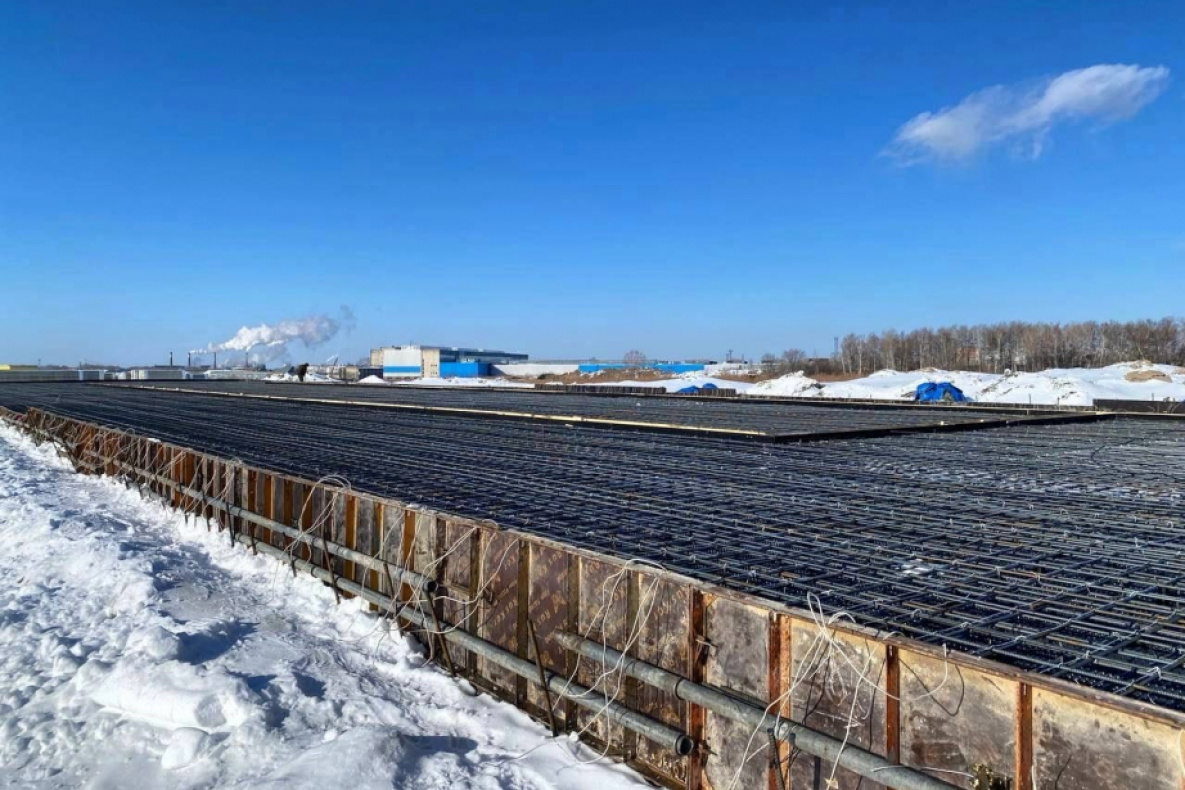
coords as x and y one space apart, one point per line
1077 744
838 687
952 717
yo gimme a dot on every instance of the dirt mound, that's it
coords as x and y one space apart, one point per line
1147 375
1179 371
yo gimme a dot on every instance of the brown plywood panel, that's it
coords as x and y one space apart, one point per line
423 547
953 718
344 531
547 609
365 539
457 607
664 613
738 660
602 617
839 690
317 523
738 638
1078 745
499 612
392 535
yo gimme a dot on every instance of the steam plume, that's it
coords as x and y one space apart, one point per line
266 343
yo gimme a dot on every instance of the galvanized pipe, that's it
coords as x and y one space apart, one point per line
372 563
660 733
811 741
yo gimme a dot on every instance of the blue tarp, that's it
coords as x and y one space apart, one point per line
692 390
939 391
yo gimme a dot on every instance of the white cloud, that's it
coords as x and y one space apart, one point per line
1025 115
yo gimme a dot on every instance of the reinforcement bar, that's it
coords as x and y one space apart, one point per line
752 420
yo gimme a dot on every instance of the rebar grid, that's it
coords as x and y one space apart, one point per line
764 417
1059 549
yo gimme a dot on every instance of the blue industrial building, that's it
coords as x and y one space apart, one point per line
439 361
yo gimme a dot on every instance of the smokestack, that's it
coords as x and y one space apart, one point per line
189 360
215 360
170 359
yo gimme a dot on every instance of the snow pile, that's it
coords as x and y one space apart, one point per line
695 379
1057 386
792 385
371 380
141 651
310 378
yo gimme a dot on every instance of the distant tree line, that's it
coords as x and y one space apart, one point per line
994 348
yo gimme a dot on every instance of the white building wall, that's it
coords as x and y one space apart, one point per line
402 362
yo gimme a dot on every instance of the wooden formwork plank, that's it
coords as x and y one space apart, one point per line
267 500
392 519
953 718
664 625
1023 737
339 531
1077 744
407 539
603 618
457 576
366 539
500 607
316 523
424 543
738 647
547 610
349 522
288 513
839 689
779 694
697 652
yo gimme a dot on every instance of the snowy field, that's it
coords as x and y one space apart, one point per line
138 651
1059 386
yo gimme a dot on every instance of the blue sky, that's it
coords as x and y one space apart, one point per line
576 179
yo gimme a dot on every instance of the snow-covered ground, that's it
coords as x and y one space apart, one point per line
1059 386
137 651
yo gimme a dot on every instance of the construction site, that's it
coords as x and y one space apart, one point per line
722 593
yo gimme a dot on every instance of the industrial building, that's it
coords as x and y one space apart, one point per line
438 361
